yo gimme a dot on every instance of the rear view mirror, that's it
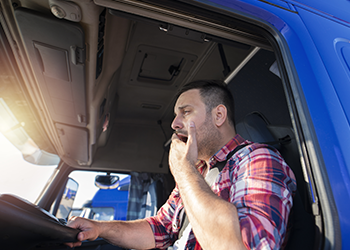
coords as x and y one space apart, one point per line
107 181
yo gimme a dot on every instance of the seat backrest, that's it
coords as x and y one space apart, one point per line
256 128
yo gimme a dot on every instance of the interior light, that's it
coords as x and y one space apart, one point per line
58 11
65 9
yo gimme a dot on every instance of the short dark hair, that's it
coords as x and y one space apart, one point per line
213 93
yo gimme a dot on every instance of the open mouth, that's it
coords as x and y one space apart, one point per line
182 137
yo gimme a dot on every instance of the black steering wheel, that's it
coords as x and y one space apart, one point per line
24 225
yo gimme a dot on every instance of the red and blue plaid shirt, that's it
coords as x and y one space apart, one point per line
257 181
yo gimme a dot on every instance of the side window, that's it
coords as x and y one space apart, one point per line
101 195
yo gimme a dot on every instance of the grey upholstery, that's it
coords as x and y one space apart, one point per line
254 128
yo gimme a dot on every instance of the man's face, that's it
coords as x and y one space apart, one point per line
190 107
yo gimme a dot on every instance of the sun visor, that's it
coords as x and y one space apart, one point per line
56 51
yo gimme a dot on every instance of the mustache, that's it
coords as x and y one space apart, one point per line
182 132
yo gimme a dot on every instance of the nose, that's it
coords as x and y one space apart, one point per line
177 123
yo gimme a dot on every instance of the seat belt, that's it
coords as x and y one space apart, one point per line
210 178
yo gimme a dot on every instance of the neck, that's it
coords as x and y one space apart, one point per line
223 140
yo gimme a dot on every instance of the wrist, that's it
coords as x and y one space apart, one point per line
183 171
100 228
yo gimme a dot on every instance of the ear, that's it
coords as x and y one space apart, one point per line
220 115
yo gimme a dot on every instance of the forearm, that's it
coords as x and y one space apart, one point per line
128 234
214 221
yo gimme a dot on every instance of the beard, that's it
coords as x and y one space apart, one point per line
208 138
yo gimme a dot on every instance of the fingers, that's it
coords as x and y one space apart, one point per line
192 149
181 153
87 227
75 244
191 134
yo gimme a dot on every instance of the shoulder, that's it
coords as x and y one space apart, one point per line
263 150
259 157
250 150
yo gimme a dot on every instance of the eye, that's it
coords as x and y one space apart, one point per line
186 112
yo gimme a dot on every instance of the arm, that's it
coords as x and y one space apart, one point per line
214 221
127 234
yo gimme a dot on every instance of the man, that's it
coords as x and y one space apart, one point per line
248 205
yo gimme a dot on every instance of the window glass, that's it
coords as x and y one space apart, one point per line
102 213
100 203
18 176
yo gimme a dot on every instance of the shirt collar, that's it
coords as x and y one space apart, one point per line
223 152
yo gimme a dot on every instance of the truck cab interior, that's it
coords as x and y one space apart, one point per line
99 80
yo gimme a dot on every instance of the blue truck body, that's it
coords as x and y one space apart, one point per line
110 204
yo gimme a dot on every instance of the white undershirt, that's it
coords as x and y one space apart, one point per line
181 243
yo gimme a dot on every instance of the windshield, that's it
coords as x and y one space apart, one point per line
18 176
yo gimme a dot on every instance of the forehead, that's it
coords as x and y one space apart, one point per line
190 98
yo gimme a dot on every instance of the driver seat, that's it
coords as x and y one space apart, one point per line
256 128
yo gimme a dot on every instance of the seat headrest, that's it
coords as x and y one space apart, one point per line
254 127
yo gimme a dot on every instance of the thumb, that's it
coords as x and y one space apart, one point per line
191 130
82 236
192 141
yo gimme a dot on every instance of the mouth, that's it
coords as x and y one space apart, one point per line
182 137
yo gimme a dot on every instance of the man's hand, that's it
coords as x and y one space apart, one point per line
89 230
183 154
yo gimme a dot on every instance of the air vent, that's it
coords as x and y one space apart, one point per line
151 106
100 43
102 107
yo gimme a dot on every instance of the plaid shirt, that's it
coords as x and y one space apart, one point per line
257 181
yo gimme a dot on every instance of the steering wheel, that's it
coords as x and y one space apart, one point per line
24 225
